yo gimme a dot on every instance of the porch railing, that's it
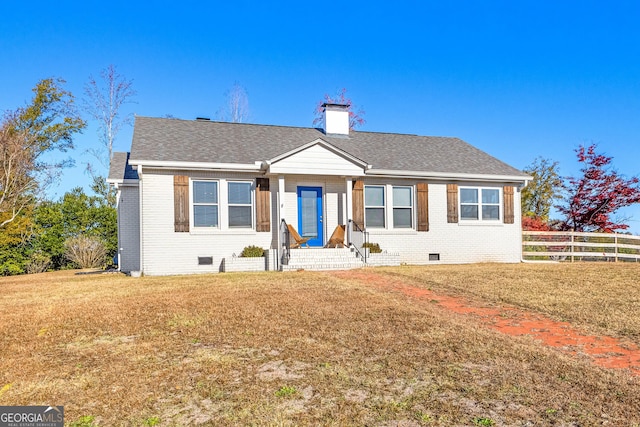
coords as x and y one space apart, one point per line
357 238
285 241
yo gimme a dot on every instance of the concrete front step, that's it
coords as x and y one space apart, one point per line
321 267
321 252
326 260
322 264
322 259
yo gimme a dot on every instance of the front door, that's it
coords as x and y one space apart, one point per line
310 214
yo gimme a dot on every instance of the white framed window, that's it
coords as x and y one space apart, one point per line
205 204
389 206
374 206
221 204
402 207
479 204
240 204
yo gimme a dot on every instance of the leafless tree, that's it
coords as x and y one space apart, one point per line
237 105
17 182
105 97
85 251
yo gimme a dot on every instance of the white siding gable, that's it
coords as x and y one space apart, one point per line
316 160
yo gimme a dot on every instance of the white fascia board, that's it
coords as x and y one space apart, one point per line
121 182
447 176
197 165
325 144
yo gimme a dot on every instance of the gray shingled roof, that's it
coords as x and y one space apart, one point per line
120 168
156 139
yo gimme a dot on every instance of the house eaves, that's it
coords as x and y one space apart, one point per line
182 165
120 171
441 176
124 182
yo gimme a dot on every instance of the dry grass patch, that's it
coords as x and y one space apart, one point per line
601 298
280 349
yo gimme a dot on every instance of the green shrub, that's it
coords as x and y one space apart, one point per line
252 252
374 248
11 266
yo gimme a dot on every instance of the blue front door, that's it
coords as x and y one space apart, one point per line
310 214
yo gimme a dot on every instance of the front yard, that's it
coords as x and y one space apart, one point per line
311 348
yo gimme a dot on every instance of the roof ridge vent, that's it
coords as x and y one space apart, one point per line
203 119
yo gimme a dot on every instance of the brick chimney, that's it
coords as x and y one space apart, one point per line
336 119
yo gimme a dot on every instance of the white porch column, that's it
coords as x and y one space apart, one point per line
281 199
280 208
280 212
349 213
348 206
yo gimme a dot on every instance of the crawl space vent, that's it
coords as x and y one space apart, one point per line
205 260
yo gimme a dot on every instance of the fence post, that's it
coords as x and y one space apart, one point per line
572 242
615 236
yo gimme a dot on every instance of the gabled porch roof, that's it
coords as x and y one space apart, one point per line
319 157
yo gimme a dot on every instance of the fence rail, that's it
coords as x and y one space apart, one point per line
574 246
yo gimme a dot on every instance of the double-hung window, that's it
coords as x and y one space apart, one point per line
480 204
240 206
205 204
374 207
222 204
402 207
389 206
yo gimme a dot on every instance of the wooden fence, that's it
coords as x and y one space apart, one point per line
573 246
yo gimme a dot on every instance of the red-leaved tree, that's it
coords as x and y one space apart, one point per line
356 118
591 199
535 224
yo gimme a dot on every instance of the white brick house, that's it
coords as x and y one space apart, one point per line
192 194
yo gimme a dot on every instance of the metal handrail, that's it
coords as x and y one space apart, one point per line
358 239
285 238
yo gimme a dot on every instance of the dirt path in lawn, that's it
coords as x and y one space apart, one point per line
604 351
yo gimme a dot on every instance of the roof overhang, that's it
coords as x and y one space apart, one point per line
123 182
444 176
230 167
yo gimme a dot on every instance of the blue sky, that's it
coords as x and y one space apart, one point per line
517 79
